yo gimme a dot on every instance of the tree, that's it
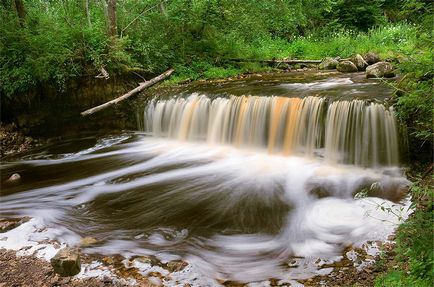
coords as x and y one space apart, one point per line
87 11
111 13
21 12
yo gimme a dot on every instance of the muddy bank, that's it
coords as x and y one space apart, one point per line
47 112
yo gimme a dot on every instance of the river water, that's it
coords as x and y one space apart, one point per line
237 178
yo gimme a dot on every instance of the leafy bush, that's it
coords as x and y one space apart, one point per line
414 242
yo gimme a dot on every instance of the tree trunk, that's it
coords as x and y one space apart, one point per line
21 12
87 11
140 88
111 9
104 9
163 8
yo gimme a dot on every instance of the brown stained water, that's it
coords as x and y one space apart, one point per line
235 185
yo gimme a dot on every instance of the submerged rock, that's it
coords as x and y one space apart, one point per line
176 265
328 64
395 190
346 67
320 192
360 63
16 177
380 70
66 262
371 58
88 241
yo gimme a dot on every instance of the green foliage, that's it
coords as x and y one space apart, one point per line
414 101
358 15
414 242
55 42
400 279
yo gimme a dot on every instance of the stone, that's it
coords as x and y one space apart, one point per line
155 281
176 265
66 262
360 63
108 260
7 224
88 241
346 67
380 70
151 260
328 64
319 192
371 58
54 280
16 177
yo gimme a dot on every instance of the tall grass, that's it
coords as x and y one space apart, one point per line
388 41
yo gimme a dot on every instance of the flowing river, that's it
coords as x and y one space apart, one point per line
238 179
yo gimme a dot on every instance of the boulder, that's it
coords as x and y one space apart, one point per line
359 62
346 67
371 58
66 262
328 64
380 70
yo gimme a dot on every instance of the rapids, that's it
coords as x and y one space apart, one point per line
234 185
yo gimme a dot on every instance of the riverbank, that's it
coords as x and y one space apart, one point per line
14 142
32 271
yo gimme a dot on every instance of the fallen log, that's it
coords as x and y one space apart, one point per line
285 61
140 88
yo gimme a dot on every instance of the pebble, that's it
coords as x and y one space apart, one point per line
155 281
14 178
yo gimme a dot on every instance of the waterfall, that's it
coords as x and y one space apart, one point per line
350 132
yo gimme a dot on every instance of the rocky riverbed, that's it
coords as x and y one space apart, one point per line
25 263
13 141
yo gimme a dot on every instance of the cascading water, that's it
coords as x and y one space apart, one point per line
350 132
235 185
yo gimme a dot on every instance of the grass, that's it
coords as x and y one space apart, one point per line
391 42
388 41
